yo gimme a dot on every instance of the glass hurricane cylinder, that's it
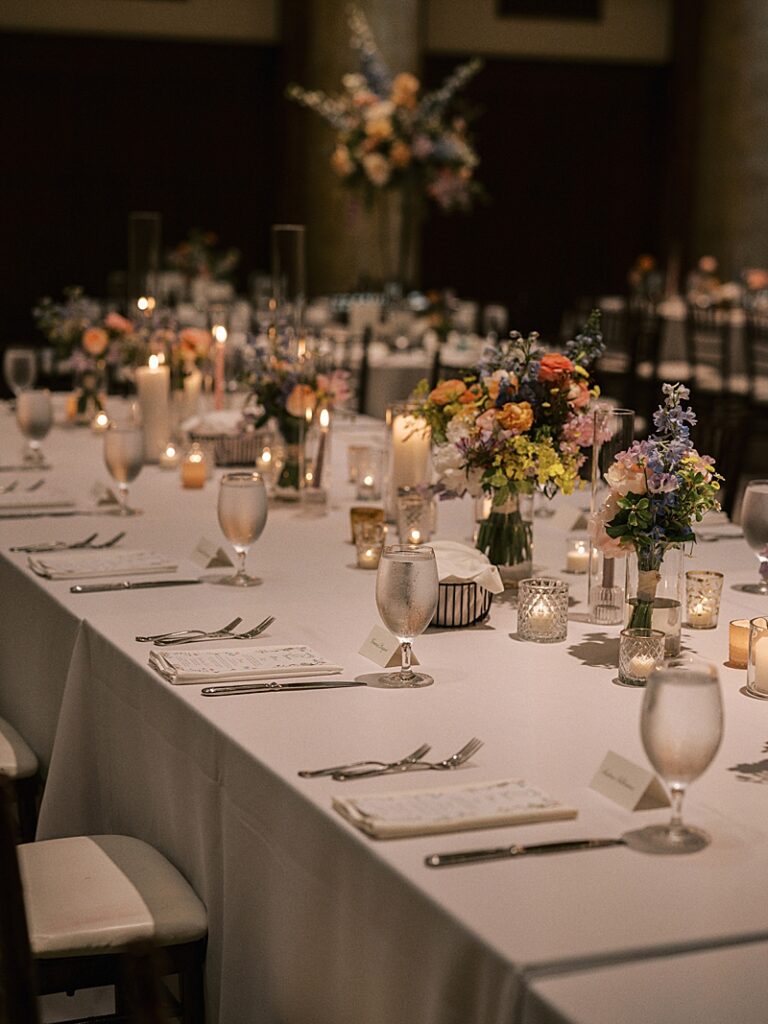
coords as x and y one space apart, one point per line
757 658
506 537
409 440
654 595
289 290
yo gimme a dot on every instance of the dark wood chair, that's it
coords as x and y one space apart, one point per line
708 342
721 433
86 903
19 766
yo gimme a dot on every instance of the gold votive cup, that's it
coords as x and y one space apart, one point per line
738 643
364 514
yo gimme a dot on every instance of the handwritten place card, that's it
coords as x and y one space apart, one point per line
208 555
383 649
628 785
103 496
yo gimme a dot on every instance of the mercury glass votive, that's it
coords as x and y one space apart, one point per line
757 659
354 451
414 518
542 610
370 538
702 598
640 651
370 474
364 514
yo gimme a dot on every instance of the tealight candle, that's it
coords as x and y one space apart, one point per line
577 556
414 536
100 422
368 558
169 457
701 615
641 666
540 619
193 469
369 538
738 642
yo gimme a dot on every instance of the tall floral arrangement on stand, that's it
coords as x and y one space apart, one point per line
286 388
658 488
517 423
390 135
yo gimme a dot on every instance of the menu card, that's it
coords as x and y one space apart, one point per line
424 812
240 664
91 564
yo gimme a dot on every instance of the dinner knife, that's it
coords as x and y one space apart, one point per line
445 860
95 588
275 687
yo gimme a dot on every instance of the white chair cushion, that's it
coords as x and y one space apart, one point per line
95 894
17 760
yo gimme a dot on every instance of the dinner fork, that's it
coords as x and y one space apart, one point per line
460 757
36 485
186 632
418 753
10 487
107 543
220 634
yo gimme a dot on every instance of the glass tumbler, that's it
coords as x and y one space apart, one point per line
640 651
542 610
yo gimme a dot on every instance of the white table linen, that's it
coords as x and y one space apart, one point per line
310 921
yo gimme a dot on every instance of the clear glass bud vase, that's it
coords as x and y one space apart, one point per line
654 591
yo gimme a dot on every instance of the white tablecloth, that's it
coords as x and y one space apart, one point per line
310 921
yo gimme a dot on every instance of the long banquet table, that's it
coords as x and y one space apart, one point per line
311 922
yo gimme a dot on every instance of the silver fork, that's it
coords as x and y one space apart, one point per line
219 634
107 543
460 757
10 487
36 485
418 753
186 632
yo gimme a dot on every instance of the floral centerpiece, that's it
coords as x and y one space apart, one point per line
286 389
198 256
516 424
658 488
393 136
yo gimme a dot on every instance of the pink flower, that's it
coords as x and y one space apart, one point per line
609 546
625 478
335 386
114 322
300 399
486 420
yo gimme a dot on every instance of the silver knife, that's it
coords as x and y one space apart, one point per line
274 687
445 860
95 588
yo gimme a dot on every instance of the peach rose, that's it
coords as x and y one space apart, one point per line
405 89
625 479
114 322
554 365
341 162
470 395
447 391
578 394
486 420
195 340
400 154
516 416
300 399
95 341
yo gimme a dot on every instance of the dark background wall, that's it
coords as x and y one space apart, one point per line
573 158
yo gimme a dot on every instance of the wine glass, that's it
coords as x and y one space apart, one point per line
406 596
754 523
681 725
19 369
124 457
34 415
242 518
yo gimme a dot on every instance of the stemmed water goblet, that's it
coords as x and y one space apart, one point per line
242 513
34 415
681 725
19 369
406 596
754 523
124 457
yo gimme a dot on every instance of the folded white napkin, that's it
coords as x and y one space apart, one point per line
459 563
226 421
424 812
91 564
240 664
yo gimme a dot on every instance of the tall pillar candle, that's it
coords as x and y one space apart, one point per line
409 462
220 340
153 384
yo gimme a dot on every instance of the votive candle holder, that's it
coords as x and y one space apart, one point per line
370 474
640 651
738 643
370 538
364 513
702 598
542 610
757 663
414 519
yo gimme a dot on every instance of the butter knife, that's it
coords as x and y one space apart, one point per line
445 860
96 588
274 687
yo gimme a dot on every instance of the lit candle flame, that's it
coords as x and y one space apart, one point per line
325 419
220 333
154 362
368 480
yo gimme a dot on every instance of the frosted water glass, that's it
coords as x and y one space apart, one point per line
34 415
242 510
124 458
19 369
754 523
406 596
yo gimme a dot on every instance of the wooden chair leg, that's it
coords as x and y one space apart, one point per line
26 795
192 994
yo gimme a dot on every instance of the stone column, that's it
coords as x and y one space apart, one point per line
318 54
731 208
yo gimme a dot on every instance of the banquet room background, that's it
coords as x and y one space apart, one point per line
590 136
